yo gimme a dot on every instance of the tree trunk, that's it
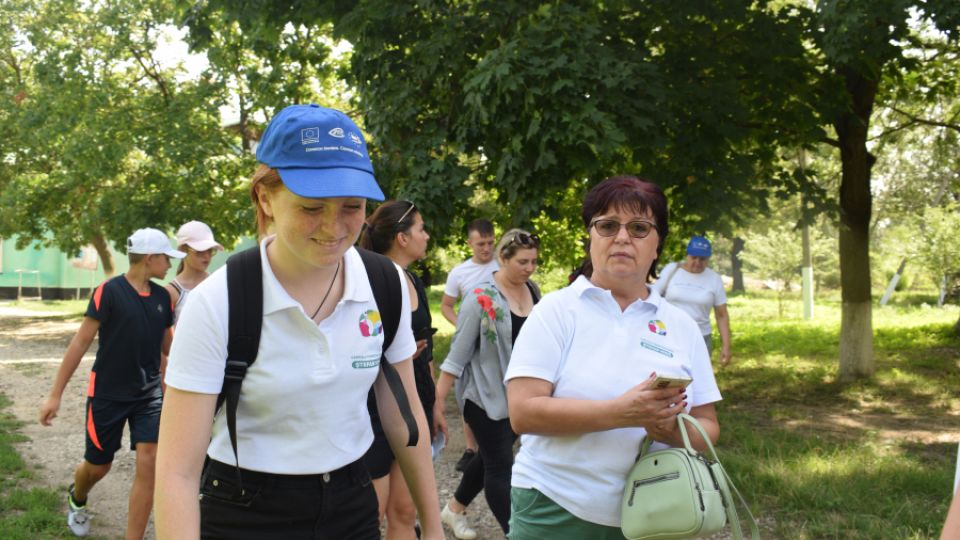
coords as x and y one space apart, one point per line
736 265
100 243
856 327
956 327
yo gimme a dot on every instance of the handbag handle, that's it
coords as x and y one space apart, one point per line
732 517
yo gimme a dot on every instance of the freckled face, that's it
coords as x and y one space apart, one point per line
313 232
621 256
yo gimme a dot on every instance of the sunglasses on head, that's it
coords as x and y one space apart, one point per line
610 227
526 240
405 214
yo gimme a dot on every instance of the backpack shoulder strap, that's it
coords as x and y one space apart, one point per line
388 294
245 297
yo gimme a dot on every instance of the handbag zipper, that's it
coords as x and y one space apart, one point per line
654 480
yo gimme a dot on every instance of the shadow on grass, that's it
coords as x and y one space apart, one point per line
821 487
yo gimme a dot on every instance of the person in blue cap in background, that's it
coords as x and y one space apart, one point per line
695 288
302 421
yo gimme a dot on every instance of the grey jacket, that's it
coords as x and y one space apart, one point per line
481 348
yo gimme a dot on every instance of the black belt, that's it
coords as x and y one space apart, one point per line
348 473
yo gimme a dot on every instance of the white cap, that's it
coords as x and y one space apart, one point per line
152 242
197 235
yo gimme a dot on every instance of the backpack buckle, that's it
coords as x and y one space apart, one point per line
235 370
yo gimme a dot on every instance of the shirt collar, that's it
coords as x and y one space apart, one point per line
276 298
582 286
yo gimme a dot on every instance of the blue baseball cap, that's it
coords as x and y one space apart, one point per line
699 246
318 152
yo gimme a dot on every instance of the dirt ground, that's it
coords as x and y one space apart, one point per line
31 347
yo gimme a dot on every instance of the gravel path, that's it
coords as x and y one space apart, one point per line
31 346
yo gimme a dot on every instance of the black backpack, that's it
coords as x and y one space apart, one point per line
245 294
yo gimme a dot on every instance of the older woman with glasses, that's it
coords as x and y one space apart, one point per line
490 318
580 385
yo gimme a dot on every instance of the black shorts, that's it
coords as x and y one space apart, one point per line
105 420
379 457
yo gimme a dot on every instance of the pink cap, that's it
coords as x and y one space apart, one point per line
197 235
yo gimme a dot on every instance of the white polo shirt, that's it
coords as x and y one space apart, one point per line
697 294
303 403
579 340
467 274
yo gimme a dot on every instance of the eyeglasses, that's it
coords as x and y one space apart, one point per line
211 251
610 227
526 240
405 214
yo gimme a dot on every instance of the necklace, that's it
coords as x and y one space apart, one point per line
330 288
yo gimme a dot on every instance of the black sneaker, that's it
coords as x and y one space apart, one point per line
465 459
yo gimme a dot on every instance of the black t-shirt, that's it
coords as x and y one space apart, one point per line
132 327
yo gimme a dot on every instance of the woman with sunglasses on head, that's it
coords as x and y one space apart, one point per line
196 240
294 469
490 319
580 382
396 229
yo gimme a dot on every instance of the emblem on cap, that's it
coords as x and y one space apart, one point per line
336 132
355 138
310 135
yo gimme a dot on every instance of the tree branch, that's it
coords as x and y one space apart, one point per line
926 121
153 73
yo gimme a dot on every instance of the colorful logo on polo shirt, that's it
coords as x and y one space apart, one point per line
370 323
657 327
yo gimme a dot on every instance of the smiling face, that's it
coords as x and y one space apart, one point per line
312 233
621 257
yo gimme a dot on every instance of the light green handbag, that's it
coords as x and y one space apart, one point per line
679 493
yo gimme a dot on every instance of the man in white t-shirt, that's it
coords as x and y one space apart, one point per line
693 287
477 269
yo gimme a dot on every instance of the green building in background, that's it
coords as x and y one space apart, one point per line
47 272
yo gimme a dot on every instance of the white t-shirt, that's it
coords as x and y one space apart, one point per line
467 274
696 294
579 340
303 403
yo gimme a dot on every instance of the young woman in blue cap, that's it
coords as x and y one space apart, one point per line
302 421
693 287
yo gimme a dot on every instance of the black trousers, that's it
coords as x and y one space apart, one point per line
491 470
340 505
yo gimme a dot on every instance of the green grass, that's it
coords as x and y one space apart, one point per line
839 461
25 512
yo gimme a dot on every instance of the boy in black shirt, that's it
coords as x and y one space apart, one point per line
134 317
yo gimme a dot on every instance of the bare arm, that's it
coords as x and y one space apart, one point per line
415 461
446 307
174 293
185 425
951 527
78 347
533 409
164 353
723 325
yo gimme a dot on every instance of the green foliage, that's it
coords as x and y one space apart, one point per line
106 140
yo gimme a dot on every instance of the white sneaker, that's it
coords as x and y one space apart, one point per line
457 523
78 517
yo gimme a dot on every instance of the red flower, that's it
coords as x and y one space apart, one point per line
486 303
492 314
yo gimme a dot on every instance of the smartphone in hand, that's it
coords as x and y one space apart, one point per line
666 381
